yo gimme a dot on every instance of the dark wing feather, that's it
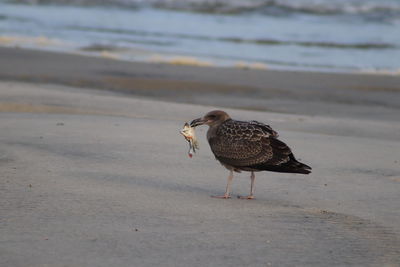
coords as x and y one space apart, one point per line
253 146
265 128
242 144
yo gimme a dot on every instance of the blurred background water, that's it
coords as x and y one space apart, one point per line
326 35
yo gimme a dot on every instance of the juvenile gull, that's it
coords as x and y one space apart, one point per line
247 146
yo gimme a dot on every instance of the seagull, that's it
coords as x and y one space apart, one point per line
247 146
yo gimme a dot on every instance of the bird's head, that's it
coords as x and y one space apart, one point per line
212 118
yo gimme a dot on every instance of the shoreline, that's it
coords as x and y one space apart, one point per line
140 55
306 93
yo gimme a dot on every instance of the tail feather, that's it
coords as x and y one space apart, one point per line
292 166
302 168
298 166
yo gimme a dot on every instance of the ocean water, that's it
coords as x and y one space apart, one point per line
325 35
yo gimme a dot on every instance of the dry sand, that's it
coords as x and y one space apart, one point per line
98 178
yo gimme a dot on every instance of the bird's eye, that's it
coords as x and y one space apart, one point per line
212 116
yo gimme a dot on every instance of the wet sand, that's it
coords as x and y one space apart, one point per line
333 95
96 174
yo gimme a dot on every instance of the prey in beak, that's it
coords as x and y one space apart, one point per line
211 119
188 132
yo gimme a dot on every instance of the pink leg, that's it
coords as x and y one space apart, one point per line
251 196
228 187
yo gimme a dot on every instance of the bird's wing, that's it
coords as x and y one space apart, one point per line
265 128
244 144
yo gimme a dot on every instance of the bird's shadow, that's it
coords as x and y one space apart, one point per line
163 184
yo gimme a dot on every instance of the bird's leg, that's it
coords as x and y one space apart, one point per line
228 187
251 196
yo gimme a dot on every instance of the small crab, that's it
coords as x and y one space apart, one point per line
190 136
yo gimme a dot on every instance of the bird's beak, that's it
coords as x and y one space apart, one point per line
197 122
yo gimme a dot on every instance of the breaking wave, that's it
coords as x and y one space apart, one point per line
318 7
310 34
321 44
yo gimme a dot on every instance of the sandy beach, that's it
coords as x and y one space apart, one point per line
93 171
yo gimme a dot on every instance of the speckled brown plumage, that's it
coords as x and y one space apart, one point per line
248 146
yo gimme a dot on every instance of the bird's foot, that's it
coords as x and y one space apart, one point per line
222 197
246 197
